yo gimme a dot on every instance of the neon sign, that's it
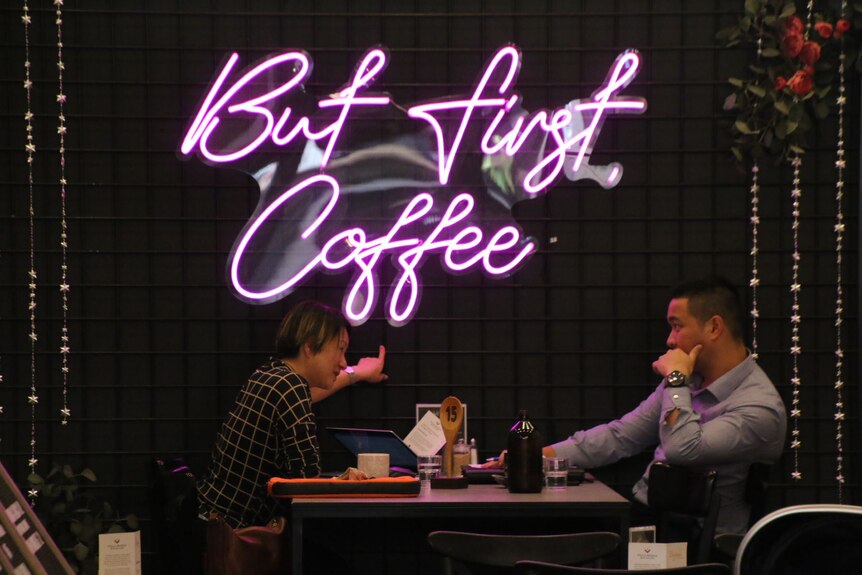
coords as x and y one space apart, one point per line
356 155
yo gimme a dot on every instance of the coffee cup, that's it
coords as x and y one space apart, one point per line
373 464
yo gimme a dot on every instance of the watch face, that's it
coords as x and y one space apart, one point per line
675 379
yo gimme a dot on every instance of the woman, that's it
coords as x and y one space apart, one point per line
270 431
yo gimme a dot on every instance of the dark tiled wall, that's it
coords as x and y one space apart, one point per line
160 345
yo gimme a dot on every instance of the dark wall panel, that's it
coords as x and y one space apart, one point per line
160 346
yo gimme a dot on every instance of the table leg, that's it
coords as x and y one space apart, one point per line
296 545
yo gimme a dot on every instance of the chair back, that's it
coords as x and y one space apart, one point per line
675 490
174 507
756 486
680 490
539 568
817 538
469 550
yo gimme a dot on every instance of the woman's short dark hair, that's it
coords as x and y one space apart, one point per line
711 296
308 322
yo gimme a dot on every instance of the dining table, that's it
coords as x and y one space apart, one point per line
589 499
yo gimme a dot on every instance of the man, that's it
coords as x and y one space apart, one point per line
714 409
271 431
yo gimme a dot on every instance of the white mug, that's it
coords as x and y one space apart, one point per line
373 464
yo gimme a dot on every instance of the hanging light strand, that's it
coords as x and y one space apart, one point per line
65 412
30 149
809 19
795 289
754 282
840 164
795 323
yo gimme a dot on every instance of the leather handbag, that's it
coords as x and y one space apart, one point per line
255 550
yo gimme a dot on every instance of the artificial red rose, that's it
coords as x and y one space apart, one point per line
801 83
792 44
809 53
808 70
780 83
824 29
842 25
793 25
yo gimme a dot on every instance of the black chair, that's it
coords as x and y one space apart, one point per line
179 535
727 546
803 539
756 486
538 568
473 552
686 497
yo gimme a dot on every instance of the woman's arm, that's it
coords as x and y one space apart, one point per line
368 369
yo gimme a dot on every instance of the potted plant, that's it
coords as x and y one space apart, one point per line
74 514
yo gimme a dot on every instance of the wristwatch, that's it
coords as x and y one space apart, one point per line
351 374
676 378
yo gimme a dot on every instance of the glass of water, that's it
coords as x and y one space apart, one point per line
556 472
429 467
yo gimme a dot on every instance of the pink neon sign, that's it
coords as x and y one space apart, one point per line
316 170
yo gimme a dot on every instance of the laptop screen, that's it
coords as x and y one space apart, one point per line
358 441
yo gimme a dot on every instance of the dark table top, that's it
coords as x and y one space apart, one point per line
594 495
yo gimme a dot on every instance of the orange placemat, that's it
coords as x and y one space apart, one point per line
383 487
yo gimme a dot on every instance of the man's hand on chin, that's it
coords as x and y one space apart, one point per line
677 360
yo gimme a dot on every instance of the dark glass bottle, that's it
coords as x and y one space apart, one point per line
524 457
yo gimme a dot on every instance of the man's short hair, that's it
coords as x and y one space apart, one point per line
711 296
308 322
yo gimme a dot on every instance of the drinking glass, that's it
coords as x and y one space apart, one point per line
556 472
429 467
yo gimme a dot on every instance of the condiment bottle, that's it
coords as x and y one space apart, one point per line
524 457
461 456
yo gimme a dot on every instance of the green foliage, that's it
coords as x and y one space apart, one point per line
75 515
792 82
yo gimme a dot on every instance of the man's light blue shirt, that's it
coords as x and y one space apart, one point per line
738 420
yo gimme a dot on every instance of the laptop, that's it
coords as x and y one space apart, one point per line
358 441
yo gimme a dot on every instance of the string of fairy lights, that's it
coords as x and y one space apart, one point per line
809 17
795 286
65 412
795 292
754 282
840 164
795 322
30 148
